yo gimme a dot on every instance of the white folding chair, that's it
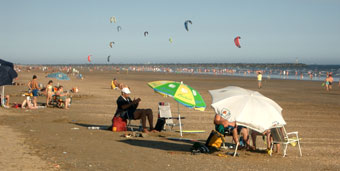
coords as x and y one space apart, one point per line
280 136
164 111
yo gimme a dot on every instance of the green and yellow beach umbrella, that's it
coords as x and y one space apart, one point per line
182 93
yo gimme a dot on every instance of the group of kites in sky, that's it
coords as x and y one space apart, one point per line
146 33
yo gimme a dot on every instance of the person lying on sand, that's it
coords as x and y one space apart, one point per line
128 106
27 103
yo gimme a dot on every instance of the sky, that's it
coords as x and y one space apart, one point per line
67 31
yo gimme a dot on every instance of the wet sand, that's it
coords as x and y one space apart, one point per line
51 136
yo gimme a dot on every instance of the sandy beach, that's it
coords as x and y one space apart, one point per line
58 139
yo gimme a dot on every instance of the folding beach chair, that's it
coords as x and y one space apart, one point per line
229 133
164 111
113 86
280 135
129 125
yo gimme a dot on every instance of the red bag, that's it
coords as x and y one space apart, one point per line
118 124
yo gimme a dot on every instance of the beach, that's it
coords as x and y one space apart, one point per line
58 139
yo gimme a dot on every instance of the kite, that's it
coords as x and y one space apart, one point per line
186 24
113 19
237 41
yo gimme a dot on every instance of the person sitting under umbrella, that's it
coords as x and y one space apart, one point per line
269 140
129 107
223 126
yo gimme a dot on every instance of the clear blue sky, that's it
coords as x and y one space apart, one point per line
67 31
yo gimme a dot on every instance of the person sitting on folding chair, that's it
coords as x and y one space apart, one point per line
62 98
265 134
128 108
225 127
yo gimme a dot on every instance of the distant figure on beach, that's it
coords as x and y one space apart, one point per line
259 79
34 88
27 103
127 109
63 96
49 92
4 101
330 81
116 85
311 75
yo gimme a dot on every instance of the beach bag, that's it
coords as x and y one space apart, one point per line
160 124
118 124
215 140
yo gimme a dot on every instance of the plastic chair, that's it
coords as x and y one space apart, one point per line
280 135
164 111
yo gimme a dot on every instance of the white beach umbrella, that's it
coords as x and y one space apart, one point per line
246 107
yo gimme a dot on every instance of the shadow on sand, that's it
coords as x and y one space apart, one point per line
166 146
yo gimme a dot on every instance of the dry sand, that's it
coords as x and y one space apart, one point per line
46 139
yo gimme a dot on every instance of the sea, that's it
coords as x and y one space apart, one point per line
269 71
289 71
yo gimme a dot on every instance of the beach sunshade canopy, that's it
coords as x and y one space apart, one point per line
182 93
59 76
7 73
246 107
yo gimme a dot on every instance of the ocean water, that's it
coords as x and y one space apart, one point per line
291 72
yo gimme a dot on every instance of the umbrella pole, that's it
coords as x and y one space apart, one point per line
179 120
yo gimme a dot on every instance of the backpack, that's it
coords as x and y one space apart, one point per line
118 124
215 140
198 148
160 124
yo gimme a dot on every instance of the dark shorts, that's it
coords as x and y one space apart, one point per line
35 92
228 130
130 115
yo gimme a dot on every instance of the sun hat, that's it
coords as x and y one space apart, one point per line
126 90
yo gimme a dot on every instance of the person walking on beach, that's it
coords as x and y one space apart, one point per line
33 86
129 107
259 79
330 79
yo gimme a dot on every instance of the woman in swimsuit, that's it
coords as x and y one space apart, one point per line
49 92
